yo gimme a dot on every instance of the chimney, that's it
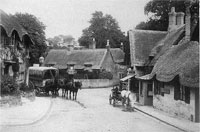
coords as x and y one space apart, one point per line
93 44
108 45
180 18
172 19
122 46
187 20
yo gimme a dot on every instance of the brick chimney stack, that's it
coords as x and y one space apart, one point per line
172 19
180 18
93 44
108 45
122 46
187 20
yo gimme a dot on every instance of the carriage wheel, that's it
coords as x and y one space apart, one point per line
128 102
123 101
37 91
31 85
110 100
114 102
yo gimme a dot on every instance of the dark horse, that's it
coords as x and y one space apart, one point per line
53 87
74 89
66 86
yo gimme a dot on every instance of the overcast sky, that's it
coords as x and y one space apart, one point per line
70 17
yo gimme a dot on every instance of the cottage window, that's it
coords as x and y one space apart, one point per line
149 89
121 75
185 94
182 93
157 88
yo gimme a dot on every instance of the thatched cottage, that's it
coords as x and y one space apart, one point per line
173 83
140 49
14 47
88 63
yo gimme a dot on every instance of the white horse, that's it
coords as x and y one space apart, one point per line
125 95
130 99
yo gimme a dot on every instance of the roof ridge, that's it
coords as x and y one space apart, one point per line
105 52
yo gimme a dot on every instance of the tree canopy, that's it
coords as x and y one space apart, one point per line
62 39
158 13
35 29
102 28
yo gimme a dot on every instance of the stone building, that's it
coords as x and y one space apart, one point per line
14 47
171 76
88 63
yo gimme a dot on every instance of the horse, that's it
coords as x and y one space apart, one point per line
66 89
74 89
53 87
62 85
126 97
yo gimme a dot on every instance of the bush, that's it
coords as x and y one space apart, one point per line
26 88
9 86
106 75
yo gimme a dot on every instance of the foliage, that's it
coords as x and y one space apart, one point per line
68 39
9 85
25 88
106 75
102 28
158 11
35 29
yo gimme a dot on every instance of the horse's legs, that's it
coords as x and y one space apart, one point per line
75 94
66 93
63 92
70 94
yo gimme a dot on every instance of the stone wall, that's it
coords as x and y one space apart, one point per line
97 83
175 107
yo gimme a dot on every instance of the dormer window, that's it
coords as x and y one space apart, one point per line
88 66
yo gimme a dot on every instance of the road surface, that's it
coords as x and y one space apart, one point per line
92 113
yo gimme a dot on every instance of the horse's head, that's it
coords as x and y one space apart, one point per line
78 84
61 82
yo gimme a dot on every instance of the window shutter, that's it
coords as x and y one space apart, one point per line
176 91
155 88
187 95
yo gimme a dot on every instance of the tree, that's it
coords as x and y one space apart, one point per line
158 11
102 28
68 39
35 29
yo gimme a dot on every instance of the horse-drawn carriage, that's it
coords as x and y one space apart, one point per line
47 79
115 96
119 95
43 79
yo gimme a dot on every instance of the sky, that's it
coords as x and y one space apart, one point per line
70 17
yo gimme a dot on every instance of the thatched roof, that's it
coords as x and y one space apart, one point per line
118 55
10 25
182 60
172 38
141 44
78 57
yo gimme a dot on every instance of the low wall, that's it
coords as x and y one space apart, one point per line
97 83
